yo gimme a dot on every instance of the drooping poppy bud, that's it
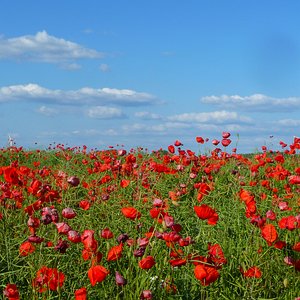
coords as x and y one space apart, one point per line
73 181
120 280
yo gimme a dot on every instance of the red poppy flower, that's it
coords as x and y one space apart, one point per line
131 213
11 175
11 292
147 262
216 254
48 278
115 252
63 227
269 233
225 135
88 240
252 272
97 274
74 236
81 294
205 212
106 233
226 142
206 274
296 247
124 183
171 149
68 213
178 262
294 179
84 204
199 140
178 143
26 248
271 215
289 223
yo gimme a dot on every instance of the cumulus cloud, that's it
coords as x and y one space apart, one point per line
71 67
104 112
147 115
47 111
104 68
86 95
255 102
43 47
218 117
289 122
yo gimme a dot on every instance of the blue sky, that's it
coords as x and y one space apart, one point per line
145 73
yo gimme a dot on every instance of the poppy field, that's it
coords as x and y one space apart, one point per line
166 224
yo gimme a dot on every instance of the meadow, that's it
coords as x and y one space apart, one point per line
166 224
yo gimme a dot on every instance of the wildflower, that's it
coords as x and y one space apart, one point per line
206 274
26 248
68 213
74 236
106 233
11 292
97 274
80 294
115 252
63 228
48 278
252 272
131 213
269 233
147 262
205 212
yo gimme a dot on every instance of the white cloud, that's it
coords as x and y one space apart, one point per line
47 111
43 47
289 122
147 115
104 112
104 68
86 95
163 128
218 117
71 67
255 102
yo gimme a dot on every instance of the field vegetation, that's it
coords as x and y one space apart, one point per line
167 224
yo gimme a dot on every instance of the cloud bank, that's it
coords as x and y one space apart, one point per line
86 95
43 47
255 102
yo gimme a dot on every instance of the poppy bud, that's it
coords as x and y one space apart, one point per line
147 294
215 142
35 239
122 238
62 246
68 213
225 135
73 181
120 280
139 252
226 142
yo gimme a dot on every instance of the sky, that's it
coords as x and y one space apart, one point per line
146 73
